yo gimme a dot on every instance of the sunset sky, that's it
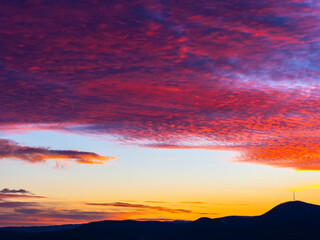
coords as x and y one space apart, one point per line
157 109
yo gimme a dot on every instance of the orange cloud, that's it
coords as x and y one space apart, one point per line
302 153
24 213
49 216
140 206
10 149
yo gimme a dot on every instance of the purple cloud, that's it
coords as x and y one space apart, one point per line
237 75
10 149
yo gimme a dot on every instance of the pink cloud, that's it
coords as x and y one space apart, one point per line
233 75
10 149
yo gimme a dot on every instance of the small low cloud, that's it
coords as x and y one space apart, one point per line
7 190
11 149
156 219
7 204
28 210
2 196
20 193
231 204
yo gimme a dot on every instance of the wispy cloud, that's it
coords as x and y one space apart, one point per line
5 195
11 149
140 206
49 216
7 204
155 219
49 212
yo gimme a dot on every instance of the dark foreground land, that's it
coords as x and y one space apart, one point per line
290 220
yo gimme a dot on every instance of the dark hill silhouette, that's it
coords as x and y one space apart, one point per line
294 210
19 232
40 229
290 220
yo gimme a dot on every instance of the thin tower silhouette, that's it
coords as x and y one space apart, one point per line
294 196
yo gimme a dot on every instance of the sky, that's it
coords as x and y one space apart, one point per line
157 110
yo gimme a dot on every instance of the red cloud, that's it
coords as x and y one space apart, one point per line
235 75
298 152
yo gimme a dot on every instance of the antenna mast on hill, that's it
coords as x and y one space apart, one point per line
294 196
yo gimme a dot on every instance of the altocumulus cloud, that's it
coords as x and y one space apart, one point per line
235 75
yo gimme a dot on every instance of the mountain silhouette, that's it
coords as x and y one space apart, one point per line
291 211
291 220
